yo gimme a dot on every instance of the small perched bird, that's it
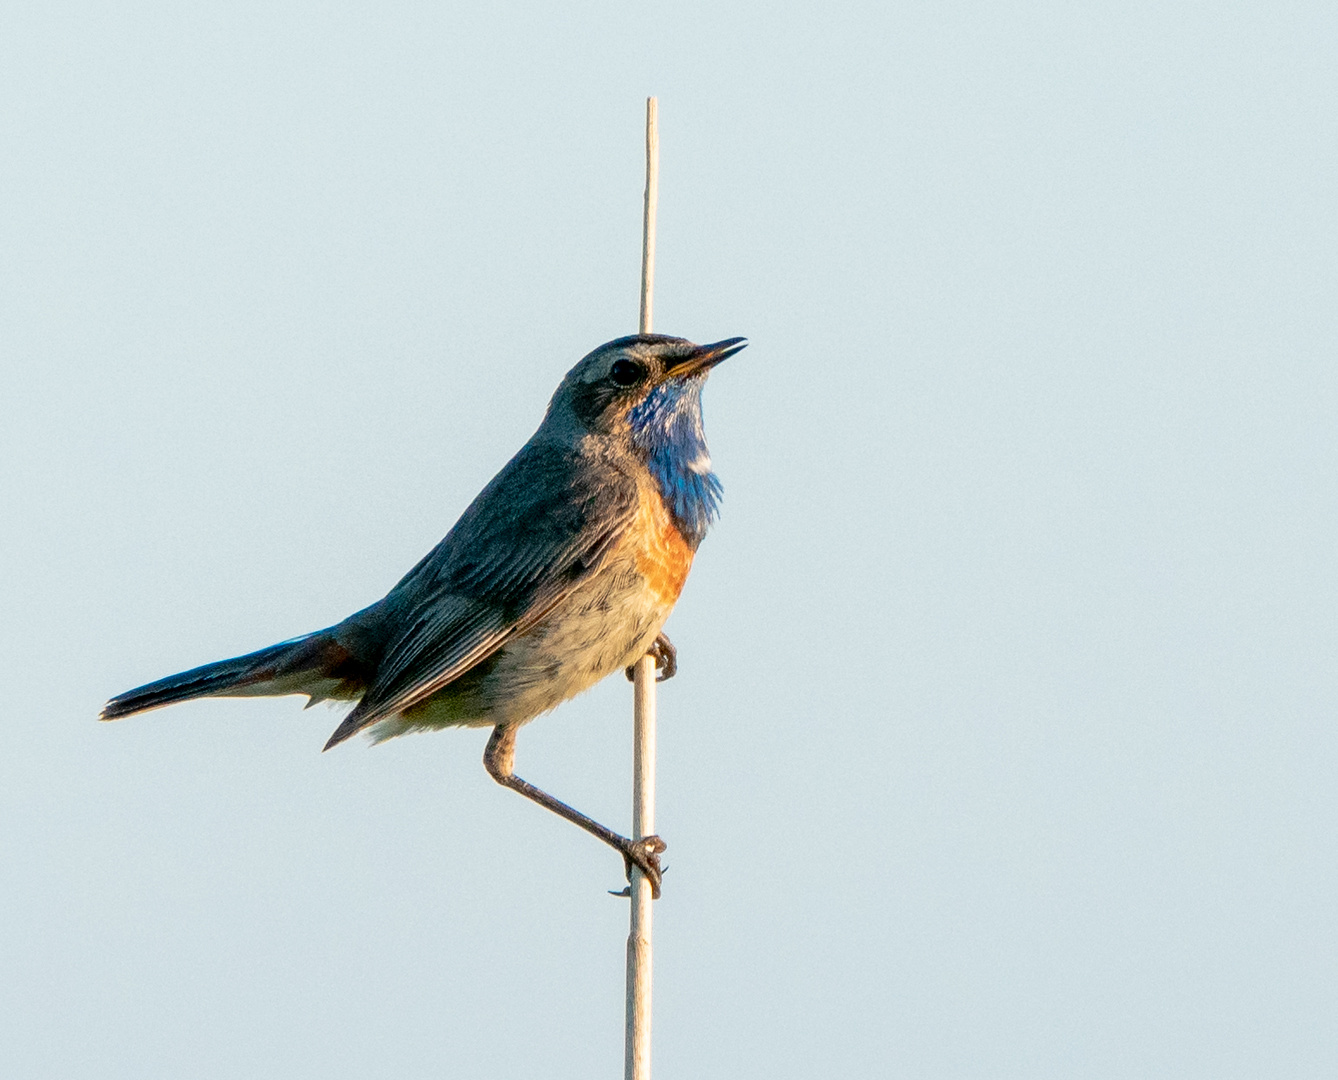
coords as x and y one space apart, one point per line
560 572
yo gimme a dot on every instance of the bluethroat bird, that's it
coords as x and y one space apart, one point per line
560 572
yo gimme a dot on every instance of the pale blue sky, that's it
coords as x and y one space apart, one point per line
1004 743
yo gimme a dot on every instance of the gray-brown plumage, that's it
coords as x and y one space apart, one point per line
560 572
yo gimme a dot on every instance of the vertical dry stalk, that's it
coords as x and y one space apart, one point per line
636 1064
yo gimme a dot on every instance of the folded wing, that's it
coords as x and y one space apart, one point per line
544 525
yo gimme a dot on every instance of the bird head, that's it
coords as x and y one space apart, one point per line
642 395
625 386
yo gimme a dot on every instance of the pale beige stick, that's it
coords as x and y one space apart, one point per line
648 217
636 1063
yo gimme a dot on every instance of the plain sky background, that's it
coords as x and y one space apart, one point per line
1004 743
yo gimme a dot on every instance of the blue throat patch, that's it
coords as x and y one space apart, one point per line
668 427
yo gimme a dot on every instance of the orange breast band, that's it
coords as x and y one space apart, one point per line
662 555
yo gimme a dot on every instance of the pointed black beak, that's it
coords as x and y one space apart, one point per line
707 356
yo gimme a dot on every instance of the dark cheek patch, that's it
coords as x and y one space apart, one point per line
590 401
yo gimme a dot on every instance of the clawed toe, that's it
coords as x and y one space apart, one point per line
666 660
645 854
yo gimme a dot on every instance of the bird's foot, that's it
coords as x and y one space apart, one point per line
666 660
645 854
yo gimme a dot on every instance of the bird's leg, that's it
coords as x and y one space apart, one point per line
499 759
666 660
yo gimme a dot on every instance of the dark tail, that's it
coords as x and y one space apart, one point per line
316 665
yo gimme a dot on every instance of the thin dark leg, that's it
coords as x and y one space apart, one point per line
666 659
499 758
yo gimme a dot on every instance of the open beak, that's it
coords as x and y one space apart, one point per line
707 356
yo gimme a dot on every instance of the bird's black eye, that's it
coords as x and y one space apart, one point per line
626 372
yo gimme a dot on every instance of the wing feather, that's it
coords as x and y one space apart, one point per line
542 526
